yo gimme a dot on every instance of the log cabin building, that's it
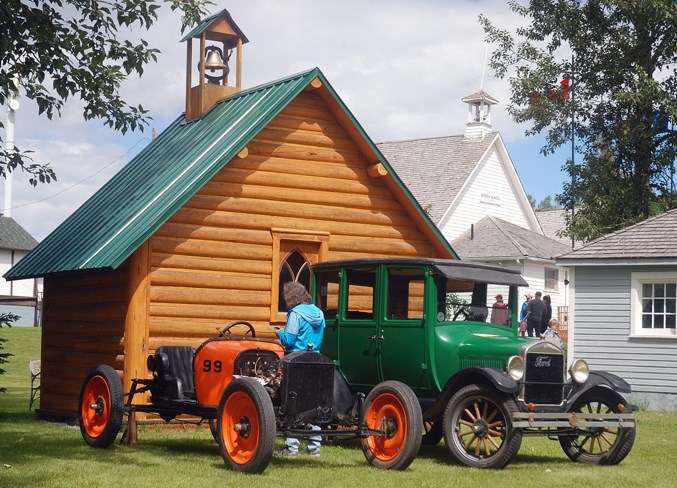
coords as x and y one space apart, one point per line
238 195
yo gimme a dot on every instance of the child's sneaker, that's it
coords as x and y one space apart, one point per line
314 452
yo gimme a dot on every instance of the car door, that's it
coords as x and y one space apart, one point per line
358 338
402 351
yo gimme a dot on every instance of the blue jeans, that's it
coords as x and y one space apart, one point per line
313 441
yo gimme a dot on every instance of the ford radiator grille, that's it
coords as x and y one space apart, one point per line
543 378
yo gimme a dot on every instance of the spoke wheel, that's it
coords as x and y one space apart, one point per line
599 445
246 426
101 406
392 407
477 428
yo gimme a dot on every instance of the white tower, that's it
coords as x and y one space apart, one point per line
479 113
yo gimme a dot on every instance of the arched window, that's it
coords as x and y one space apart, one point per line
295 267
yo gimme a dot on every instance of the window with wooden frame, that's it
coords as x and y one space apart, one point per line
293 253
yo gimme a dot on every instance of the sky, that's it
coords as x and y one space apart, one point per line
401 66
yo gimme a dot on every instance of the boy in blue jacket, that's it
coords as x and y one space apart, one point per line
303 332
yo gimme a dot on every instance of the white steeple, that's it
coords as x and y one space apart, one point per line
479 113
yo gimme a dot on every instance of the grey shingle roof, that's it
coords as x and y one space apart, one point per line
497 238
554 220
436 168
654 238
13 236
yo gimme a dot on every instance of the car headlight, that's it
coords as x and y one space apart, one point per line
515 367
579 371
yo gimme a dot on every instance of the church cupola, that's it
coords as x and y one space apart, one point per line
220 38
479 113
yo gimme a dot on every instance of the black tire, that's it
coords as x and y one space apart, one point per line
246 426
478 427
392 406
101 407
432 433
604 445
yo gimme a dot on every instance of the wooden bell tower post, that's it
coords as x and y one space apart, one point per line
220 38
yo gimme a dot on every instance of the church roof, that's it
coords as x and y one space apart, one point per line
435 169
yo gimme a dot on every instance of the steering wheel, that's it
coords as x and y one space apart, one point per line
462 311
222 332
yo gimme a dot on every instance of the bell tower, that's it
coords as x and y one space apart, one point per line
479 113
220 38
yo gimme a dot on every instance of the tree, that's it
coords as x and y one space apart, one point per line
617 60
5 319
79 48
546 204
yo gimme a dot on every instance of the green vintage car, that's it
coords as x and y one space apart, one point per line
435 326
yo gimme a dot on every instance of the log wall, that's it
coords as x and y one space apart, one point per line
212 262
83 326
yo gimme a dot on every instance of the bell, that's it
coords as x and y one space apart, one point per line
214 61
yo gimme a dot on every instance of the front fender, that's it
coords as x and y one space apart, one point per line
469 376
599 379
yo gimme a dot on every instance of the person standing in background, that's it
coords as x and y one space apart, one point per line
547 316
535 312
523 310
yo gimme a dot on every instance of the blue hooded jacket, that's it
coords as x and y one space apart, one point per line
305 325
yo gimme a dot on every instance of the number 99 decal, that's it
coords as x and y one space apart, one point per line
209 367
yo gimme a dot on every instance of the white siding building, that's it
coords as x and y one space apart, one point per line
469 185
624 308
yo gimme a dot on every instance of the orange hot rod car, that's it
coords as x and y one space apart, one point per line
249 392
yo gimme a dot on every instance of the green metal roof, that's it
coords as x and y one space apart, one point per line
129 208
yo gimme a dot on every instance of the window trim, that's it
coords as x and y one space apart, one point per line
637 279
300 236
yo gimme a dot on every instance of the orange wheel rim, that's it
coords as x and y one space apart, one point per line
95 406
240 427
387 413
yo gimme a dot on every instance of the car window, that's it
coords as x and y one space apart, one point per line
460 300
327 293
405 294
361 284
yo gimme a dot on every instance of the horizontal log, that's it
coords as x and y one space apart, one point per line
310 211
285 121
309 111
252 221
339 143
56 402
259 147
84 359
238 266
226 315
289 166
206 279
204 296
201 232
86 311
92 295
298 180
86 327
216 249
197 337
273 193
89 278
74 346
380 246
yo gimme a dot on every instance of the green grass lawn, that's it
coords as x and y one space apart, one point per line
36 454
